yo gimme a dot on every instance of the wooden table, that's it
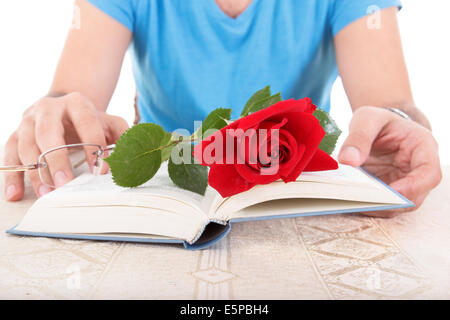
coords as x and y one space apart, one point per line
332 257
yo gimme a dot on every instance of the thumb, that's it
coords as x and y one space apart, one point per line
365 126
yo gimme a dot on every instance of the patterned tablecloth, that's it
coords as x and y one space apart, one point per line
330 257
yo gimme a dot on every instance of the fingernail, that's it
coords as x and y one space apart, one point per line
43 190
350 154
60 179
10 192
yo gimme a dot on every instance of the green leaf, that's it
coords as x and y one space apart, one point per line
137 155
192 176
165 152
332 131
265 103
217 119
258 96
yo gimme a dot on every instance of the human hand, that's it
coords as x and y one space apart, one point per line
52 122
400 152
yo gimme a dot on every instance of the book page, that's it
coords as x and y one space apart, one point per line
345 174
94 204
286 207
159 193
346 183
111 220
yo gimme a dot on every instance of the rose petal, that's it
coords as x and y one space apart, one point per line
296 151
292 157
300 138
307 127
225 179
266 139
260 176
253 173
304 105
321 161
248 147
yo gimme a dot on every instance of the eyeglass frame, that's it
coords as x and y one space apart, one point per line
43 164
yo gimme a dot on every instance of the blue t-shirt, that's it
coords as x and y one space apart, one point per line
189 57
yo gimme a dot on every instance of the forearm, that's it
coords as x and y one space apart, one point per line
92 57
373 69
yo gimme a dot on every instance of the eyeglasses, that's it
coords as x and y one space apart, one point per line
77 155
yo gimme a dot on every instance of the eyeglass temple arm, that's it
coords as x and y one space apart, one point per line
110 147
99 153
21 168
37 165
107 148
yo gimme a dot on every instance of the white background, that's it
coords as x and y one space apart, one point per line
32 34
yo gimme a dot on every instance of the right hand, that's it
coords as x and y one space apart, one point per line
52 122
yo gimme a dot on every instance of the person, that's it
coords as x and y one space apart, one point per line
190 57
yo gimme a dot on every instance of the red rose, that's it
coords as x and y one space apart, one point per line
279 142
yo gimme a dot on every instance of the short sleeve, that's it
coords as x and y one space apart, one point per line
121 10
345 12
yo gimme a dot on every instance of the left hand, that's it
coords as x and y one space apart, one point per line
400 152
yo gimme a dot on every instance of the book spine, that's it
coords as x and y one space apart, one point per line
202 229
210 242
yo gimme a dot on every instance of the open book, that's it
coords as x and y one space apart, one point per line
93 207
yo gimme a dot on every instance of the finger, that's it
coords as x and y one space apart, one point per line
87 124
365 126
29 153
114 127
49 133
14 185
425 171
